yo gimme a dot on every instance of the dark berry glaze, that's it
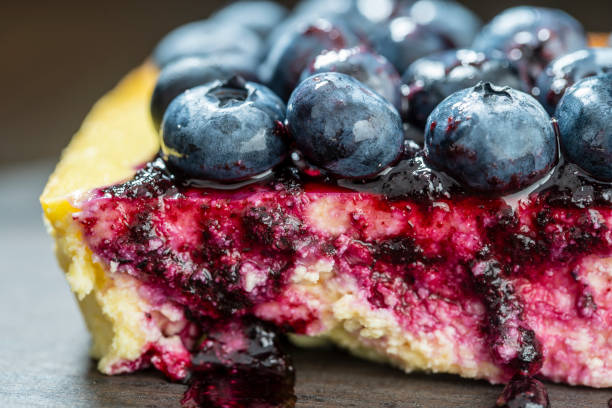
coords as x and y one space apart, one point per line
524 392
413 240
241 363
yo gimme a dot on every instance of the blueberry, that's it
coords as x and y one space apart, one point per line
296 48
532 37
260 16
344 127
344 14
492 139
207 38
565 71
224 131
361 16
370 12
455 23
368 67
402 41
322 8
585 124
429 80
308 12
190 72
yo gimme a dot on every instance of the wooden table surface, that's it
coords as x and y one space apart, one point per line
43 341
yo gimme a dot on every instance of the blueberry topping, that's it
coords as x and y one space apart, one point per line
524 392
452 21
531 37
343 126
260 16
565 71
490 138
322 8
366 66
224 131
512 342
402 41
429 80
296 48
207 38
362 16
187 73
365 15
585 124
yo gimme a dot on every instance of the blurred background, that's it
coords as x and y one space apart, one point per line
59 57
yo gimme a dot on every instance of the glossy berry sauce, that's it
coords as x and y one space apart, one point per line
241 363
412 239
525 392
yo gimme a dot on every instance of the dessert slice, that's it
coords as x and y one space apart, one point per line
483 256
410 272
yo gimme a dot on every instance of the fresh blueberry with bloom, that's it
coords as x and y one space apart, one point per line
322 8
344 127
585 124
455 23
351 11
402 41
190 72
531 37
429 80
492 139
366 66
565 71
260 16
306 13
207 38
357 17
224 131
296 48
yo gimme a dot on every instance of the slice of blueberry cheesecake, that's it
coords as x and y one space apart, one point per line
257 180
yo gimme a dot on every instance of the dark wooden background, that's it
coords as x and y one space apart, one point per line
58 57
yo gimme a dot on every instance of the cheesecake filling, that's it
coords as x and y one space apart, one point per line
407 268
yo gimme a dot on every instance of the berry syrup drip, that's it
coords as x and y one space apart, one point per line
524 392
513 343
241 359
241 363
152 180
410 179
569 186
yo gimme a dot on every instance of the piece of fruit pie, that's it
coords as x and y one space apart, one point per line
257 180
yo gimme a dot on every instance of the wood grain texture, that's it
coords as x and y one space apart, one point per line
43 341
